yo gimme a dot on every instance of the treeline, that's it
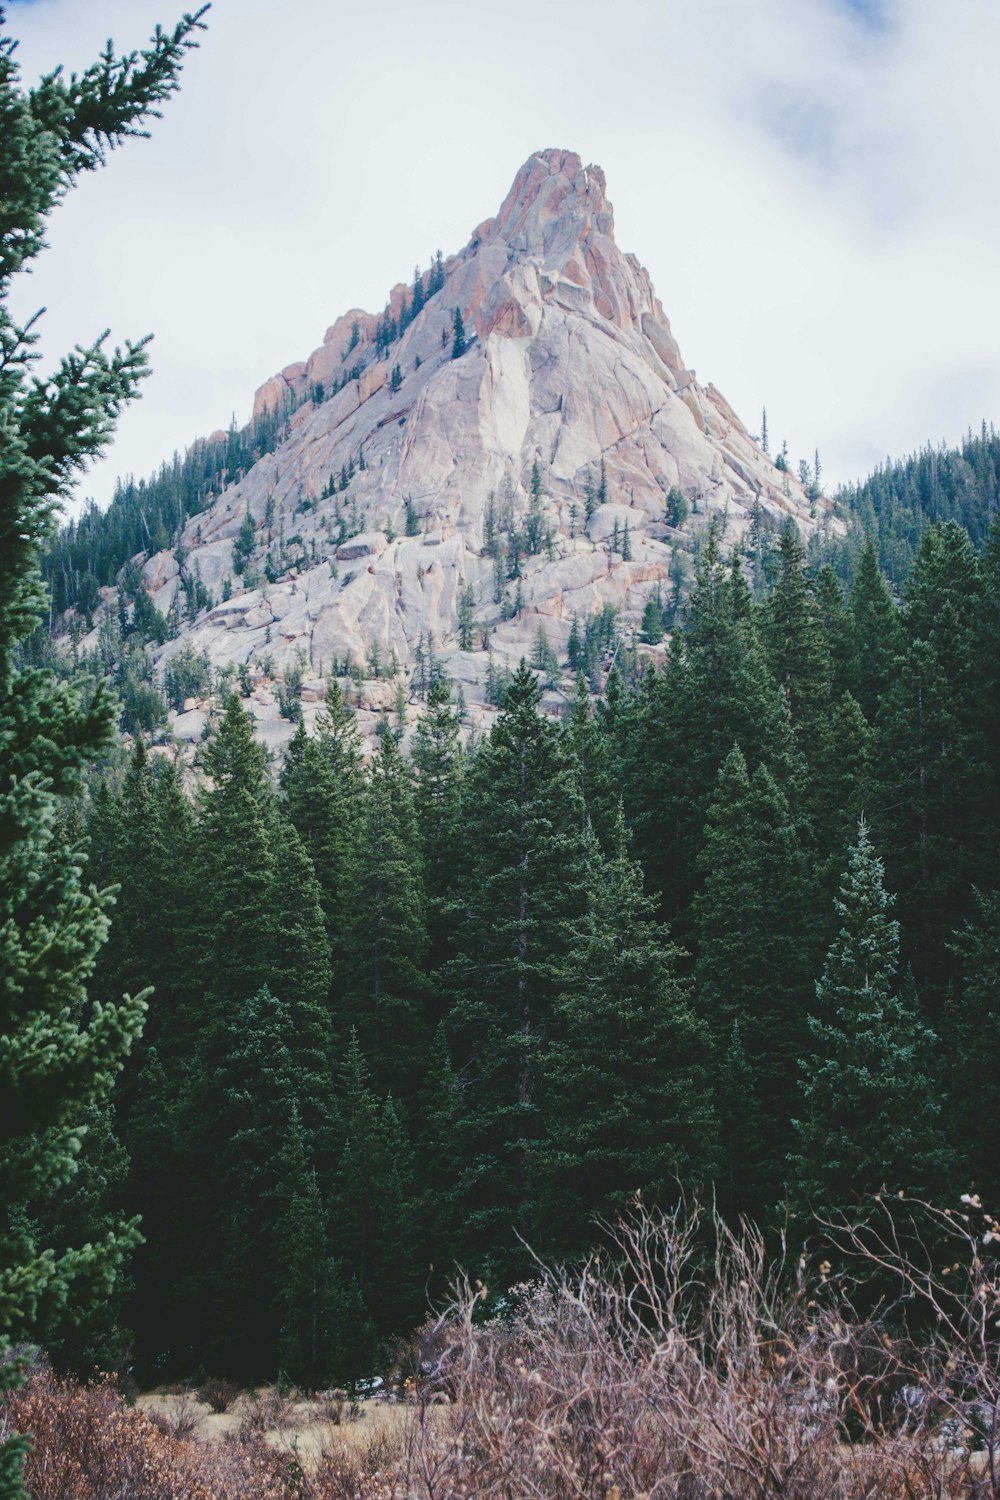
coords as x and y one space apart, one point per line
902 497
147 515
737 928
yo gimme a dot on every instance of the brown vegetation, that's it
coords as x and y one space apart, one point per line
685 1366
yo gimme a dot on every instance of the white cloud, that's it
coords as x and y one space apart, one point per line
808 181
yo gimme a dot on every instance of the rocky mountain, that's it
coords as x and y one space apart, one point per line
429 501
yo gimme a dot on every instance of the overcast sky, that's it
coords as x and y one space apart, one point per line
811 183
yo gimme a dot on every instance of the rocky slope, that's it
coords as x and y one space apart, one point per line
570 365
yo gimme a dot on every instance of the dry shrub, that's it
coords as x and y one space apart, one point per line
267 1411
180 1420
219 1395
688 1364
88 1445
685 1365
332 1406
376 1469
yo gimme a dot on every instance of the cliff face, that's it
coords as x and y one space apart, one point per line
570 365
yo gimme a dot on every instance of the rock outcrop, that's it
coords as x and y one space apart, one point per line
377 515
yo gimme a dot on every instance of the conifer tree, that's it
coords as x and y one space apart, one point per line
436 1207
235 832
715 691
437 756
257 1093
373 1219
301 974
756 955
305 1303
875 630
628 1078
524 893
974 1034
321 784
871 1108
796 646
458 343
836 623
387 929
590 747
58 1055
841 789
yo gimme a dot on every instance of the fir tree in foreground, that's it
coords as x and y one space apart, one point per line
58 1051
628 1083
871 1118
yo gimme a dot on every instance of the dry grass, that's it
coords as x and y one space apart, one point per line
686 1366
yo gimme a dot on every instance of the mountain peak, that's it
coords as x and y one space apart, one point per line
417 500
553 200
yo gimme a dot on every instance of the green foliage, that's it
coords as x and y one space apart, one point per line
628 1082
59 1051
525 888
871 1113
458 341
756 955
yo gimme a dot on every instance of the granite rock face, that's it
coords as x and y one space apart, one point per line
570 366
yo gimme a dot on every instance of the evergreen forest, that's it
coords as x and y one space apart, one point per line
730 928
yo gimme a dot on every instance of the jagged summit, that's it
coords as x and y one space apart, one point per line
395 513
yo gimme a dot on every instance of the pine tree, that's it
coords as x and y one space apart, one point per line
628 1080
437 756
652 621
387 929
591 755
876 634
373 1218
796 647
836 625
418 291
524 892
321 784
756 955
237 856
458 343
870 1120
59 1055
256 1092
716 691
974 1033
301 974
305 1303
466 627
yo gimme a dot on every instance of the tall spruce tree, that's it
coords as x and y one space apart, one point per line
792 628
974 1034
58 1050
383 974
374 1204
437 755
716 691
628 1077
871 1117
523 897
321 785
301 975
755 959
876 638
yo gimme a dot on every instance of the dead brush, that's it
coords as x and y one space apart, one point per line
380 1468
331 1406
218 1395
688 1363
180 1420
266 1411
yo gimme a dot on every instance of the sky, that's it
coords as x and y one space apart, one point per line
810 183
